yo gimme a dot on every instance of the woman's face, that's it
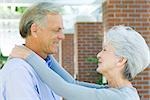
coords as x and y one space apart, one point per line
107 60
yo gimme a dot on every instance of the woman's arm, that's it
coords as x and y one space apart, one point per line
59 85
73 91
55 66
23 52
67 90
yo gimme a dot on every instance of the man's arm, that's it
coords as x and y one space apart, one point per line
19 84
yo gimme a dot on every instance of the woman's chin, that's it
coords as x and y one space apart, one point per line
101 69
98 69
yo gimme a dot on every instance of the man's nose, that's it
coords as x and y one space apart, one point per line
61 36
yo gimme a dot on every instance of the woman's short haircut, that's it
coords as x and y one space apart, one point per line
131 45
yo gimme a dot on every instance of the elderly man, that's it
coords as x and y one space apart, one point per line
41 26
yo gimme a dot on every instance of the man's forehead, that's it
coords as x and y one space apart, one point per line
55 21
54 15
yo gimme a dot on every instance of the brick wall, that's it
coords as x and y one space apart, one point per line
142 83
134 13
88 41
68 53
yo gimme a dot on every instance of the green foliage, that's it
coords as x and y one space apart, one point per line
95 60
3 59
100 80
92 60
20 9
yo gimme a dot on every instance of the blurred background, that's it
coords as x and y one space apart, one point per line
72 11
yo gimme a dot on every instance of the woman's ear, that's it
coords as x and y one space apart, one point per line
34 30
121 61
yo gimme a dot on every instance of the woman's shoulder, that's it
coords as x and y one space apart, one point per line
123 93
127 91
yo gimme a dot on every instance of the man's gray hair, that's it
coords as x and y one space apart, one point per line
36 14
131 45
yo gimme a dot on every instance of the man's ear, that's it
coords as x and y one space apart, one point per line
34 30
121 61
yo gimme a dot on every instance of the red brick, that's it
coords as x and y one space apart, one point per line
68 53
147 87
88 46
114 1
128 2
146 96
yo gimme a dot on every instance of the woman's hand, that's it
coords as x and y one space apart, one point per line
20 52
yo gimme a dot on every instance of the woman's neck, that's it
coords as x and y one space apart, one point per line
116 80
35 47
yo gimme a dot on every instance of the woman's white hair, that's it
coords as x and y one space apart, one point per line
131 45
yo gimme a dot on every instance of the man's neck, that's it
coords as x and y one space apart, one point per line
35 49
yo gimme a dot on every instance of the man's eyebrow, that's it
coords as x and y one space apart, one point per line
58 27
61 28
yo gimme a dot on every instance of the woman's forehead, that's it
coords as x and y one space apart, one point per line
105 44
108 46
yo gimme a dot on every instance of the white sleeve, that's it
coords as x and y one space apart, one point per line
19 85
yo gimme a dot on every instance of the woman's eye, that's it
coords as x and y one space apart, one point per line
104 49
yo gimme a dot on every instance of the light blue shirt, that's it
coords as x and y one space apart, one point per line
20 82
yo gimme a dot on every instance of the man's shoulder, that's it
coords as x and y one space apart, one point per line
16 65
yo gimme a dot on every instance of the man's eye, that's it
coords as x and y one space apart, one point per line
57 30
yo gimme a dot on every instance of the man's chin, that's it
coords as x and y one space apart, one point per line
53 52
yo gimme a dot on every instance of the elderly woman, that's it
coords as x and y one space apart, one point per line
124 55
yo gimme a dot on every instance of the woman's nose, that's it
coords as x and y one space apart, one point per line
99 55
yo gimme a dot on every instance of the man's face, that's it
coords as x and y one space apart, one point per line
50 36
